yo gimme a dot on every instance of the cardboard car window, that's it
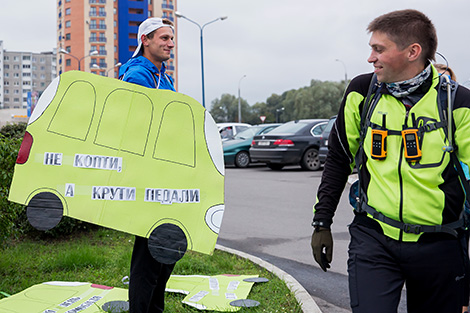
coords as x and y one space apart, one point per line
143 161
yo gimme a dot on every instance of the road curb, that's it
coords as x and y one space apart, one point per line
303 297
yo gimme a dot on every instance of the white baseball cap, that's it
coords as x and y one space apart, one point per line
146 27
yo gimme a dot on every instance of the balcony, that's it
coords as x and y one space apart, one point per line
94 26
97 1
95 39
97 14
167 6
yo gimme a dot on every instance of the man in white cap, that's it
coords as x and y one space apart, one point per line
148 277
147 67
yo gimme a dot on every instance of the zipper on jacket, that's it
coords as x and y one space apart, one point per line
400 162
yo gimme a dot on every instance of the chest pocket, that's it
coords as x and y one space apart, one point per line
431 139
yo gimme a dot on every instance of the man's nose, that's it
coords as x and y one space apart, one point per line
372 58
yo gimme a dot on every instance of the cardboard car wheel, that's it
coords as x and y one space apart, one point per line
116 306
167 243
44 211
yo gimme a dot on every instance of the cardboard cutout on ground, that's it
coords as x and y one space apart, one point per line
224 293
66 297
143 161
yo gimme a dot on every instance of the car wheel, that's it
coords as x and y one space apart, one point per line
242 159
167 243
44 211
310 160
275 166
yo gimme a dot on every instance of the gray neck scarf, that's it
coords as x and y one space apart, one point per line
404 88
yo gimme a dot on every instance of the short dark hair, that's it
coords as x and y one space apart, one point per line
405 27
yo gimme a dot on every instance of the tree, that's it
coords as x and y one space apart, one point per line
225 109
319 100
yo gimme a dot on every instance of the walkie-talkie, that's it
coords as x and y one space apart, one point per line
379 142
411 142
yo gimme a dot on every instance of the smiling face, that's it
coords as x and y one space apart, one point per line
157 48
391 64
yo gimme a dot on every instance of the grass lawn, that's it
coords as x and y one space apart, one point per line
103 257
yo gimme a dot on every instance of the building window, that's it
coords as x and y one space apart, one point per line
68 24
26 58
6 58
7 91
16 75
67 11
68 62
93 12
16 67
26 66
26 74
68 36
68 49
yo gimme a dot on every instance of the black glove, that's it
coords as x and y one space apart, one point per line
322 247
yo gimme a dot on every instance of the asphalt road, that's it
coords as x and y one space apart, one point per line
269 213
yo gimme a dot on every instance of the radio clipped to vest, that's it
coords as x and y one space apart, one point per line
379 142
411 142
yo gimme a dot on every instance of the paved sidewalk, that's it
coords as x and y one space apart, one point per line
303 297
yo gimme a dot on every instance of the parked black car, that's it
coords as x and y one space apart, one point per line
323 151
295 142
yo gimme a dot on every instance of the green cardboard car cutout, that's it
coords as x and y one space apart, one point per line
66 297
223 293
143 161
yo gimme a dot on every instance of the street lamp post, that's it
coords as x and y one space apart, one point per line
112 68
62 50
201 28
278 112
239 104
345 74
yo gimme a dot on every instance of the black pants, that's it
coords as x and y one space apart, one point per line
378 266
147 280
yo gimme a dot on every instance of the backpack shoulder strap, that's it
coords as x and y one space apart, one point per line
366 105
446 97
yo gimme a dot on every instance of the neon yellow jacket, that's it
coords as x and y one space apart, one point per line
427 192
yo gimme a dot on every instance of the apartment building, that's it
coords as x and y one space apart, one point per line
24 72
97 35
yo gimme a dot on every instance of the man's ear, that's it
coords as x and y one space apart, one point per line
144 40
414 51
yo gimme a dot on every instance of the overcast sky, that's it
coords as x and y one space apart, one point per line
279 45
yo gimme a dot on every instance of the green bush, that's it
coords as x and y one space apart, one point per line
13 220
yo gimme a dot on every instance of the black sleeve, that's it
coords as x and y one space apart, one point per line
340 159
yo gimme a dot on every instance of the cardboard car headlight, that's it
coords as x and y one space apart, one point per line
143 161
